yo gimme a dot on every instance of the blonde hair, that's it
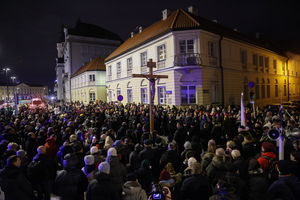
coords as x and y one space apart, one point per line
211 147
196 168
12 146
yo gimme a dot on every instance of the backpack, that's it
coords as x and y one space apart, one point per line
271 173
35 170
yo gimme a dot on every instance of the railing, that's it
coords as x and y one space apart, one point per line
187 59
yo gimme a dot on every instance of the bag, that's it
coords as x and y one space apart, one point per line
271 173
35 170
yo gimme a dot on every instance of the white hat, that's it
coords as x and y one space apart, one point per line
104 167
89 160
94 150
111 152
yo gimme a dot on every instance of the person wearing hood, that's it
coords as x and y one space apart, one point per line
132 190
13 182
102 187
267 153
287 186
51 147
117 169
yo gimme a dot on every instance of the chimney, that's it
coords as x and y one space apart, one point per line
140 29
257 35
214 20
165 13
193 10
131 34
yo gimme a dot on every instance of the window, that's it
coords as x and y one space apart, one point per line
211 49
110 95
144 59
109 73
92 77
186 46
119 70
267 64
283 67
129 66
144 95
275 66
161 52
243 58
188 94
257 89
162 95
129 95
255 61
276 88
284 88
263 92
92 96
118 92
268 88
246 89
261 63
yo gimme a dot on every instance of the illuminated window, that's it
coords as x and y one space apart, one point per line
119 70
275 66
276 88
92 77
243 57
144 59
188 94
129 66
161 95
144 95
161 52
186 46
212 49
267 64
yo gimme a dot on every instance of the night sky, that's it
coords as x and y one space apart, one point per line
30 29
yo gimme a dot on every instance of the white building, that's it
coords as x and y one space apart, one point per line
205 63
78 46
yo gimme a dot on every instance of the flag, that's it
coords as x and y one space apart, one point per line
243 114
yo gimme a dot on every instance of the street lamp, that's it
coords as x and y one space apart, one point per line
13 78
6 69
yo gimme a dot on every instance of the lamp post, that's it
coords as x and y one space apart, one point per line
6 69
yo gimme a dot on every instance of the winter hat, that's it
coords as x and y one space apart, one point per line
191 160
164 175
89 160
187 145
284 167
94 150
268 147
111 152
104 167
21 153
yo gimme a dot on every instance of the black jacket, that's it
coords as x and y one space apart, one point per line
70 184
15 185
257 187
285 188
117 172
172 157
101 188
195 187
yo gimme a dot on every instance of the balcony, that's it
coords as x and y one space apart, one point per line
187 59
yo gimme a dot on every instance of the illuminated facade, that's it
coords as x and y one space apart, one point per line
205 62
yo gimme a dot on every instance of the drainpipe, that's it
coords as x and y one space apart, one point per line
288 79
221 67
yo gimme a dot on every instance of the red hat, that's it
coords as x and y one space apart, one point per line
164 175
268 147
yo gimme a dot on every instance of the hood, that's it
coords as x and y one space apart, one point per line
269 154
131 187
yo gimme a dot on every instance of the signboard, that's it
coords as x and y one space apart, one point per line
169 92
120 98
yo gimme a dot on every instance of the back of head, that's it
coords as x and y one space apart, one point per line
104 167
21 153
89 160
220 152
12 146
111 152
70 160
11 160
41 150
235 154
196 168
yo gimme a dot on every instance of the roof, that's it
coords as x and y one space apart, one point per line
90 30
96 64
181 20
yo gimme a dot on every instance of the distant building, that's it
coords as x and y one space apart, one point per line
24 91
88 83
78 46
205 63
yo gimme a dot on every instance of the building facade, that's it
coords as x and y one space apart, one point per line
205 63
23 91
78 46
88 83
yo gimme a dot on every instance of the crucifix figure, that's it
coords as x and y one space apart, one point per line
151 78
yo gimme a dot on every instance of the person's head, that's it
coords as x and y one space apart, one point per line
111 152
21 153
72 138
196 168
94 150
267 147
12 146
13 160
41 150
70 161
178 125
187 145
89 160
211 147
220 152
230 145
235 154
171 146
191 161
104 167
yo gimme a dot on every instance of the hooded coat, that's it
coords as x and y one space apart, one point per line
132 190
285 188
217 168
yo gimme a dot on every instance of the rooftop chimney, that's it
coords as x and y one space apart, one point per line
131 34
214 20
140 29
193 10
165 13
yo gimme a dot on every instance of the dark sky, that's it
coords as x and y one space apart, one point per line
29 29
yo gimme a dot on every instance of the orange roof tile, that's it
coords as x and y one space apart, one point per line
177 19
95 65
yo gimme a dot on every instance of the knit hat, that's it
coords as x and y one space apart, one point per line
111 152
104 167
21 153
268 147
191 160
89 160
164 175
94 150
187 145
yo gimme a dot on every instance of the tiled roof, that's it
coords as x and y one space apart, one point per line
182 20
95 65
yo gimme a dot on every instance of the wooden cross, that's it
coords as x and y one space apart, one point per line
151 78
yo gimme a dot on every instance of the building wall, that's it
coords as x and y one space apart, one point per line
23 90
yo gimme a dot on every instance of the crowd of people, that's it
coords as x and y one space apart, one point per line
106 151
